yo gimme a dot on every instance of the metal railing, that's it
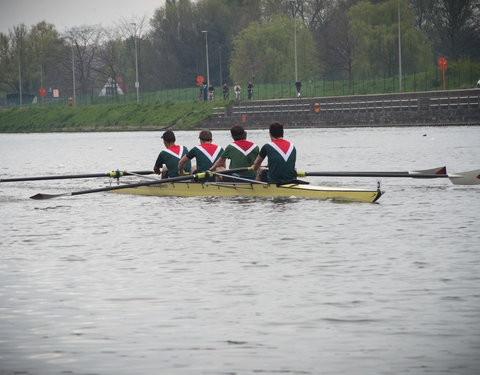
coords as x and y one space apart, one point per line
428 80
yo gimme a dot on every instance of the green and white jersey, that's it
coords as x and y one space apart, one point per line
206 155
170 157
241 153
281 156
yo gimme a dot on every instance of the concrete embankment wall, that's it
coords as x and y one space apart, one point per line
433 108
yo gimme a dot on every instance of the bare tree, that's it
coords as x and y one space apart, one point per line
136 25
133 31
85 41
110 62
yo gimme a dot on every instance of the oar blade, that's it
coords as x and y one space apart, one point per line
439 171
466 178
42 196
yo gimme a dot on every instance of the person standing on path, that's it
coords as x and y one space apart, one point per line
225 91
237 90
250 90
211 92
298 87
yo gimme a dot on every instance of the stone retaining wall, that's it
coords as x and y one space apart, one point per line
434 108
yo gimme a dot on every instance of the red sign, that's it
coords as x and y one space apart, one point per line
442 63
42 92
200 80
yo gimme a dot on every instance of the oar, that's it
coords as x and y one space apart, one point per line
41 196
114 174
462 178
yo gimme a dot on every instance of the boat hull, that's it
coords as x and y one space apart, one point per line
187 189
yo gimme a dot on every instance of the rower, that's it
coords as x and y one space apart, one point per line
167 160
242 153
206 154
281 156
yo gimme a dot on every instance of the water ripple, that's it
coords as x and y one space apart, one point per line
109 284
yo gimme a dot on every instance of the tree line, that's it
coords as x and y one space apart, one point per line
263 41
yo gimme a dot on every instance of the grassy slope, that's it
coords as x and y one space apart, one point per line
106 117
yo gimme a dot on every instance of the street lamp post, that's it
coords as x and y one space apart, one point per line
137 84
399 50
295 37
19 73
73 77
206 52
221 76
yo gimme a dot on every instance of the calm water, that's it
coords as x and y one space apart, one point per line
116 284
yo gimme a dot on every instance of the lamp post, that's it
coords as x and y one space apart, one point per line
295 37
221 76
206 52
19 73
137 84
399 50
73 76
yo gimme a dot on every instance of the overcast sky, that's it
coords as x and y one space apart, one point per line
65 14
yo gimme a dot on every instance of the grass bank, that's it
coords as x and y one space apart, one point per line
106 117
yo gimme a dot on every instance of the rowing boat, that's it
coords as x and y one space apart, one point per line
182 185
224 189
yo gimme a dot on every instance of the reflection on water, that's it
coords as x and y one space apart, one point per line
116 284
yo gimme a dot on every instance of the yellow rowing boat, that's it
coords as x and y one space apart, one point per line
181 185
196 189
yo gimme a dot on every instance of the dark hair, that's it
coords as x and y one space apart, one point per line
168 136
205 135
276 130
238 132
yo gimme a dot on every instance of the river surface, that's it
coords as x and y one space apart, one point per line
113 284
